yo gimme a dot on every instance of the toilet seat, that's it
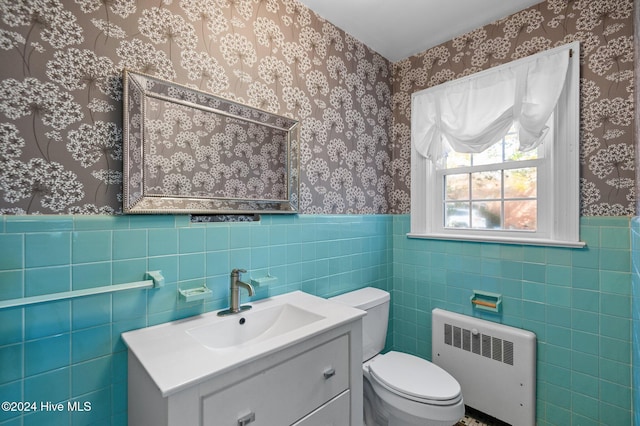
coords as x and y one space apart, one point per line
415 379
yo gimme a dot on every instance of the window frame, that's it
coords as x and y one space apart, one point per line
542 166
558 180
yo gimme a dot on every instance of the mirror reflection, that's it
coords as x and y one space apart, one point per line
189 151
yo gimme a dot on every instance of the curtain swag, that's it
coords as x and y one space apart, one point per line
471 114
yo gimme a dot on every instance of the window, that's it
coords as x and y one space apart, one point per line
504 171
496 189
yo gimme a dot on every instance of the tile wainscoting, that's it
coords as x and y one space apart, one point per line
71 350
578 302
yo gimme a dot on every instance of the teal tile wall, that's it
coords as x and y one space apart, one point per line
635 279
577 301
70 350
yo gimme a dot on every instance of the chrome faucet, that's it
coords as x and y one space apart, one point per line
234 294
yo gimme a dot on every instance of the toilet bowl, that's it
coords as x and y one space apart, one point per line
412 391
400 389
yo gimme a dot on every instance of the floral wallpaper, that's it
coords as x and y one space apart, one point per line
605 31
61 93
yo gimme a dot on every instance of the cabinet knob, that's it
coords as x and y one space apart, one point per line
245 420
329 373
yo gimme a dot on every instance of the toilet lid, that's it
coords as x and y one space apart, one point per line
415 377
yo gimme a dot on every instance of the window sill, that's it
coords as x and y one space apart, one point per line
499 239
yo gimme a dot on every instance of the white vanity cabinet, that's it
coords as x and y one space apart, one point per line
286 392
315 381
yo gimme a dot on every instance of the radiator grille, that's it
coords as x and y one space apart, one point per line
495 364
481 344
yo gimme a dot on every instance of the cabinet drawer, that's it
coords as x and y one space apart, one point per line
334 413
284 393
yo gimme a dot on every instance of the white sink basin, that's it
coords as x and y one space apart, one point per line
249 327
179 354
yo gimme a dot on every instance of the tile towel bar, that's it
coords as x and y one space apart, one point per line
155 279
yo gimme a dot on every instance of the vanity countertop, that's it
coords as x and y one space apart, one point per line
175 359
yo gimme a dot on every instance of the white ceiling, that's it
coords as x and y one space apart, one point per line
397 29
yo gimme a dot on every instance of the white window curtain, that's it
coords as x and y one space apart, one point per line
471 114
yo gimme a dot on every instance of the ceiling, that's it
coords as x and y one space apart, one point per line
397 29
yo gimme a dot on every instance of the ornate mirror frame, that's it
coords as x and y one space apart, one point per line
187 151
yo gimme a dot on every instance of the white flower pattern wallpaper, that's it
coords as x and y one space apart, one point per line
61 93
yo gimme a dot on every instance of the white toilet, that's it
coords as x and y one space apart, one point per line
400 389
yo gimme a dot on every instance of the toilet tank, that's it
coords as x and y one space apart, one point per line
374 324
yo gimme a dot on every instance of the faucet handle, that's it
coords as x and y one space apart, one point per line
237 271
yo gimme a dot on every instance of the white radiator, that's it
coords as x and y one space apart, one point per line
495 364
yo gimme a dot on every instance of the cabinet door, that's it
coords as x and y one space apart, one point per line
285 393
333 413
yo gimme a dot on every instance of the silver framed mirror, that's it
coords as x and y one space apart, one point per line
188 151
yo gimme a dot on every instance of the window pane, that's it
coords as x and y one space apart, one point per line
521 215
521 183
458 159
491 155
457 215
486 215
498 199
511 144
486 185
457 187
513 154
